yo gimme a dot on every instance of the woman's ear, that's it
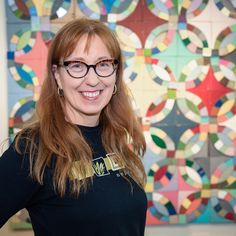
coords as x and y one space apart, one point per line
56 75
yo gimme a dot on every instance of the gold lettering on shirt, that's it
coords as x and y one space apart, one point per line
101 166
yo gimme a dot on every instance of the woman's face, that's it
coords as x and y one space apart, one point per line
86 97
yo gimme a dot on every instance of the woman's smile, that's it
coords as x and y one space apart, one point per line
91 95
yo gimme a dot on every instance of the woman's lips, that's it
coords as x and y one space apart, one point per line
91 95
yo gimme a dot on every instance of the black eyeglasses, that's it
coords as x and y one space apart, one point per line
79 69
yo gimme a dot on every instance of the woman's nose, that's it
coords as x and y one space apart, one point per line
92 78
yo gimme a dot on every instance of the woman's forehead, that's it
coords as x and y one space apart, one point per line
90 44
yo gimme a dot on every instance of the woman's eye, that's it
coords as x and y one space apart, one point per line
104 64
77 65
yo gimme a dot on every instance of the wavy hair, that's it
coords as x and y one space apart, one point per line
52 139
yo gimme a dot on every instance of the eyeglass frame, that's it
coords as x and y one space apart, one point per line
65 64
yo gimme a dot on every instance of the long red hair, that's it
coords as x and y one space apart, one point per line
51 136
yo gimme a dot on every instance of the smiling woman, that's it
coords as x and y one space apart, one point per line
77 169
86 92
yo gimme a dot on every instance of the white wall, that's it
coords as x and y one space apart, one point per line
3 75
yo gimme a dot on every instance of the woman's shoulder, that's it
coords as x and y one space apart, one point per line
15 154
26 139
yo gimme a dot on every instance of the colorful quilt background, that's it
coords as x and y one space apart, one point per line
180 67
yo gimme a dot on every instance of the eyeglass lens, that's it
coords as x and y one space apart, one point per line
78 69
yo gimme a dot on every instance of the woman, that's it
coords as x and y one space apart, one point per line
77 169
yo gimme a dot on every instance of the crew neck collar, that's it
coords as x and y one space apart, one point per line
89 128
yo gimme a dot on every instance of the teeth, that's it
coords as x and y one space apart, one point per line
91 94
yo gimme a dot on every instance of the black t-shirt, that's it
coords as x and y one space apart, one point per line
108 208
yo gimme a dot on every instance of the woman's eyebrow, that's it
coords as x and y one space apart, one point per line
84 60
